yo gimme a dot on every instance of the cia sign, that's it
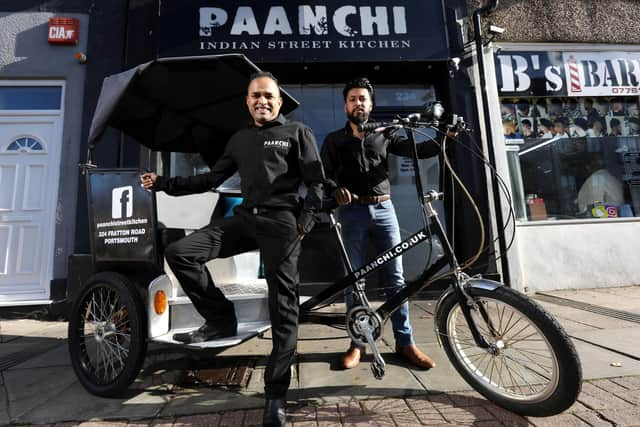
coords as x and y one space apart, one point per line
63 30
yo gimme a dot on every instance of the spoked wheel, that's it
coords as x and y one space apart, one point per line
107 334
531 368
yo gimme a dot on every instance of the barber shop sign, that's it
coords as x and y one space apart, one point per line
291 31
568 73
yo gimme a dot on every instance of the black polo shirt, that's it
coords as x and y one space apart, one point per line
272 160
361 165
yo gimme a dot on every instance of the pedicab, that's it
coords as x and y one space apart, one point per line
505 345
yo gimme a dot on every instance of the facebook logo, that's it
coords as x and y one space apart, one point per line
122 202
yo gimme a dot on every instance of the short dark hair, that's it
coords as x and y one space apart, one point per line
546 122
259 74
359 83
582 122
526 122
614 122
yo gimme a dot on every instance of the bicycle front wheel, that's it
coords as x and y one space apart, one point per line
532 367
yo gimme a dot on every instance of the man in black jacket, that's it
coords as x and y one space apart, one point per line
273 157
356 165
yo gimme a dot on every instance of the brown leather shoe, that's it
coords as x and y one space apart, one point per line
351 358
416 357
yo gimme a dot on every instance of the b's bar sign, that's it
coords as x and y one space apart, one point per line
291 31
568 73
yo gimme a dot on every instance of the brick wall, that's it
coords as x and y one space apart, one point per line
574 21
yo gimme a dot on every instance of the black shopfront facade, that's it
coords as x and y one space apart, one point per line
313 47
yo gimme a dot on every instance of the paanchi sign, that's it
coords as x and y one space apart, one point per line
568 73
295 31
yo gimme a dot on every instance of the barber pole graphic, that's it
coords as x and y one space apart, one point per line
574 75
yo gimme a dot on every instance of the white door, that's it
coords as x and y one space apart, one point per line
29 162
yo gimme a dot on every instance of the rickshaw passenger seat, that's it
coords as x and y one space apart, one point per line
185 212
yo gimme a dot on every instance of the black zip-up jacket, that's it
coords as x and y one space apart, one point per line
361 165
272 160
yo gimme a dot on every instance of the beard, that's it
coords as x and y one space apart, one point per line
358 117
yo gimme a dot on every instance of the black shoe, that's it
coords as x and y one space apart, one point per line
274 414
207 332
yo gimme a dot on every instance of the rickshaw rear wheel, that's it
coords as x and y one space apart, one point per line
107 334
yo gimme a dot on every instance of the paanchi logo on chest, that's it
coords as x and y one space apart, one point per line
276 143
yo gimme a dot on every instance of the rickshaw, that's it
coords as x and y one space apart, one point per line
506 346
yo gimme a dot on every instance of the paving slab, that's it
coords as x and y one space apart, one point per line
26 347
442 378
321 384
625 340
622 298
421 323
569 316
309 331
4 406
74 403
29 389
623 417
259 345
332 349
207 400
597 362
58 355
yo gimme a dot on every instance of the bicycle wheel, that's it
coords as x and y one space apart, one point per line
532 367
107 334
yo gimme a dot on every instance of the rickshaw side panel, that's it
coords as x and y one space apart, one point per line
122 221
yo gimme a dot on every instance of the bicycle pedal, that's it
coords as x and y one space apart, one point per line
378 371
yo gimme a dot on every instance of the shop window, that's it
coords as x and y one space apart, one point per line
25 144
573 158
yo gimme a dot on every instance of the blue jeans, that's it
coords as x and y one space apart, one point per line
378 222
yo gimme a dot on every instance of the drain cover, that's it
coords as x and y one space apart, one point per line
230 373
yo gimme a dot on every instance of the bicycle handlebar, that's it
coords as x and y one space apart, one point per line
415 120
371 126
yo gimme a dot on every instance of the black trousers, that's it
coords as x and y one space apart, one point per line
274 233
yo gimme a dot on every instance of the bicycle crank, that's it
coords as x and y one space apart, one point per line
365 327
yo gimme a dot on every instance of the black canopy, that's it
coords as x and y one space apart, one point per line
188 104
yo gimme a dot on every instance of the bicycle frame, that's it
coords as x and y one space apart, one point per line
430 218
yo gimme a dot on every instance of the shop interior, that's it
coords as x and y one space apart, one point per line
574 157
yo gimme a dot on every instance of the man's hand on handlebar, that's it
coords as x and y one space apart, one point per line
148 179
342 196
452 132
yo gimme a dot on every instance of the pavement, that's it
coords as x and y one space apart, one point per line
174 388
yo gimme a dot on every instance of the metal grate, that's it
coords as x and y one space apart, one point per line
232 373
610 312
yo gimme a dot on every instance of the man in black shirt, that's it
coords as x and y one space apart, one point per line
356 164
273 157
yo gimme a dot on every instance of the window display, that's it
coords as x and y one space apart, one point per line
573 157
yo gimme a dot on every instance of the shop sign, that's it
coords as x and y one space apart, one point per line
568 73
298 31
63 30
